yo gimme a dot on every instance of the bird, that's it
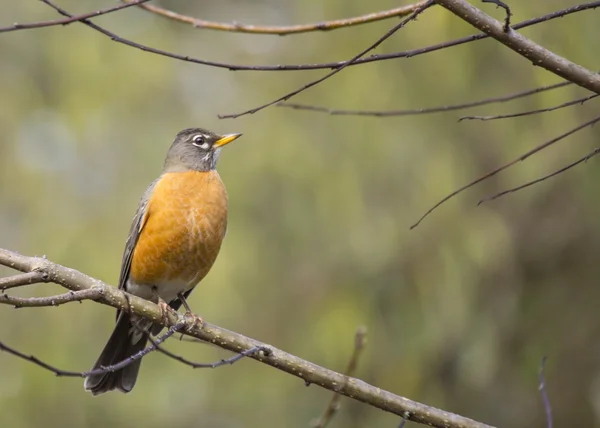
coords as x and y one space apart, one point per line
173 242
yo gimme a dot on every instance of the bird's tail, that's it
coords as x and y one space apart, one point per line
124 342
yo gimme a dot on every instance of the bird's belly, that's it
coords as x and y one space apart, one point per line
180 241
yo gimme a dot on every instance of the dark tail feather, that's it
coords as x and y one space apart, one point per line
119 347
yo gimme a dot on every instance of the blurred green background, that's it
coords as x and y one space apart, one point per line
460 310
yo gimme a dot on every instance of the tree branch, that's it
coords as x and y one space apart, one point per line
328 65
427 110
579 101
537 54
379 41
505 166
309 372
36 302
279 30
332 408
43 24
539 180
22 279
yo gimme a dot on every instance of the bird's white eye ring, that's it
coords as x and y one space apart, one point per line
198 141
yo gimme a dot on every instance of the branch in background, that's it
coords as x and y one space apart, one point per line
544 393
237 27
525 47
539 180
334 404
65 373
438 109
531 112
328 65
22 279
42 24
379 41
309 372
505 166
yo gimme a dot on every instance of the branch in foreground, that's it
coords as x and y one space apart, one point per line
328 65
379 41
214 365
309 372
279 30
334 404
505 166
525 47
539 180
43 24
438 109
65 373
61 299
22 279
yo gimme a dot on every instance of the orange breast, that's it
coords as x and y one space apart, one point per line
185 225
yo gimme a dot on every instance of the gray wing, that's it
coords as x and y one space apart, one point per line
139 219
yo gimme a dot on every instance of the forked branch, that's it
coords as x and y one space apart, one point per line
309 372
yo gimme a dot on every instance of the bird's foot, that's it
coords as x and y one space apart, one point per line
165 311
192 321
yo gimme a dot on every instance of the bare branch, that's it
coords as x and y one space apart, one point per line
309 372
237 27
525 47
36 302
429 110
531 112
22 279
65 373
43 24
329 65
544 393
539 180
505 166
215 364
379 41
504 6
360 338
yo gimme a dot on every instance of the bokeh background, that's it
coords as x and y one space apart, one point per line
460 310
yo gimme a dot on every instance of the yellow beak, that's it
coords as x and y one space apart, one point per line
226 139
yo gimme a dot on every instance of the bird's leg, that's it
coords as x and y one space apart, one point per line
165 309
191 318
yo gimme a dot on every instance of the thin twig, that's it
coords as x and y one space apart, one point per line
112 368
309 372
505 166
413 16
544 393
22 279
437 109
215 364
504 6
43 24
537 54
405 417
334 404
530 112
238 27
36 302
328 65
539 180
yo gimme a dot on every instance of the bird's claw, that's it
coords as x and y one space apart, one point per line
192 321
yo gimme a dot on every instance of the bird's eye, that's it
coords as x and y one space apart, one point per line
199 141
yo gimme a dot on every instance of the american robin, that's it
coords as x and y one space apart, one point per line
173 242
